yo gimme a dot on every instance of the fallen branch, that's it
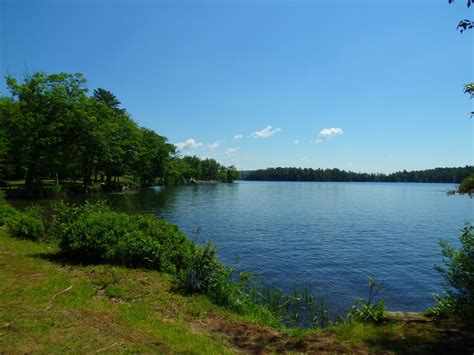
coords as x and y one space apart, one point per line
50 303
107 347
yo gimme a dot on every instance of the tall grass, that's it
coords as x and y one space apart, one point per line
299 308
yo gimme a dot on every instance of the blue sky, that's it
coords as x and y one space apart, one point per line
360 85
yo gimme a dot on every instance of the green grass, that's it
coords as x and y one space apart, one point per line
128 310
49 305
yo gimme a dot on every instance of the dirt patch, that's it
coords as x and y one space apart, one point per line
257 339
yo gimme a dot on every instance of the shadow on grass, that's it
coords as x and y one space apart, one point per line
434 338
65 259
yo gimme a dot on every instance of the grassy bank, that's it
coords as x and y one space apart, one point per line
49 305
99 306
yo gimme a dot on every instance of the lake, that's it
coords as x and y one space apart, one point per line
329 236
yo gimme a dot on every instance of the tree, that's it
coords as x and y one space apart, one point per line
90 148
210 169
153 152
8 109
109 99
52 128
45 122
464 25
192 167
121 146
231 174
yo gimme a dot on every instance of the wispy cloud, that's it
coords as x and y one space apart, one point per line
266 132
304 159
215 145
296 141
231 151
238 137
328 133
189 144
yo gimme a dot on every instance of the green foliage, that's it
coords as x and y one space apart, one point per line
230 174
27 225
95 233
366 311
192 167
458 273
153 155
6 211
447 175
44 116
51 128
444 307
467 185
208 275
108 99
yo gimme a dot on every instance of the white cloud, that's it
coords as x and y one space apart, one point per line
231 151
215 145
304 159
296 141
237 137
328 133
189 144
265 133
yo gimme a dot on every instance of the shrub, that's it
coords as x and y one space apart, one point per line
366 311
28 225
176 250
207 274
6 211
93 232
459 277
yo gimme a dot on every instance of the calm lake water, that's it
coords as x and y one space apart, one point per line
329 236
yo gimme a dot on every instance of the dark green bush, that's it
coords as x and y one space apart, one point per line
27 225
176 250
459 277
93 232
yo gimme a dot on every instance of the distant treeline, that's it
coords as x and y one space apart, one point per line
52 129
446 175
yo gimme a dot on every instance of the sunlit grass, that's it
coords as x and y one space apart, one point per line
129 310
48 305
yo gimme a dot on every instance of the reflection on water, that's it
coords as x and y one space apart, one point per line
327 235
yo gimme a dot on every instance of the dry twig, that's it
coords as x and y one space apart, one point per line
50 303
